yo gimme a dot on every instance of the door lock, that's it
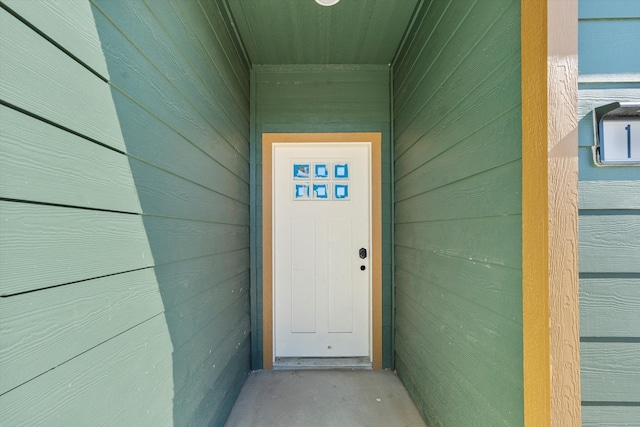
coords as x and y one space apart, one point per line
363 253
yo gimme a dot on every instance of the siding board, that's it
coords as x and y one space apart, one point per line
607 195
472 279
442 400
69 24
136 77
457 322
196 394
489 193
286 92
610 416
612 9
609 307
604 48
476 153
609 243
43 163
453 71
304 114
65 322
165 194
214 37
438 129
176 240
183 280
229 382
152 141
85 391
147 35
412 63
210 41
156 389
39 78
610 372
44 246
462 239
221 35
204 350
319 73
304 97
186 319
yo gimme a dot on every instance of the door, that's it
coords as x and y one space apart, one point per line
321 249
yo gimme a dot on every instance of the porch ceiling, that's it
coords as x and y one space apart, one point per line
303 32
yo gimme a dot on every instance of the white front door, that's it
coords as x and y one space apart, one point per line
321 249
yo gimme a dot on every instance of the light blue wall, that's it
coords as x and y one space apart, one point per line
609 223
124 214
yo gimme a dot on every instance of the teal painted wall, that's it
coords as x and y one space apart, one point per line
458 276
609 222
322 98
124 213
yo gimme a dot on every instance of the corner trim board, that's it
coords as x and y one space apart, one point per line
549 213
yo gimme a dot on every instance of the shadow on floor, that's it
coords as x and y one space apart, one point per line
324 398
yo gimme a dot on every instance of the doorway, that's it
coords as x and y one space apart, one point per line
322 246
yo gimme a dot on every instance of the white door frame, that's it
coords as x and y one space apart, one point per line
375 139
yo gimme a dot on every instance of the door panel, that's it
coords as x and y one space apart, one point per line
340 283
303 271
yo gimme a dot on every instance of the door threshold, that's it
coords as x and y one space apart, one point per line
295 363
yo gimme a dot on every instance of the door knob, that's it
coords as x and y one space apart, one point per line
363 253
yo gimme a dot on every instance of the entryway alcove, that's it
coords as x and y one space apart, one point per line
137 283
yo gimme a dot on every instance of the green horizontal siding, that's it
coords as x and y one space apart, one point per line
39 78
44 246
127 377
68 24
125 214
457 213
323 98
609 222
194 194
38 157
65 321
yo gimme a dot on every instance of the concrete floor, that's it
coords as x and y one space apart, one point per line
310 398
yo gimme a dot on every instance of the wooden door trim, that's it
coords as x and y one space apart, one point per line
268 139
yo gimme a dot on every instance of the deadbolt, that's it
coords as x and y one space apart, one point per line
362 267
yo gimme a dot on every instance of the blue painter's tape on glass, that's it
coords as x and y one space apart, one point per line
341 170
320 191
301 192
321 171
341 191
301 171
